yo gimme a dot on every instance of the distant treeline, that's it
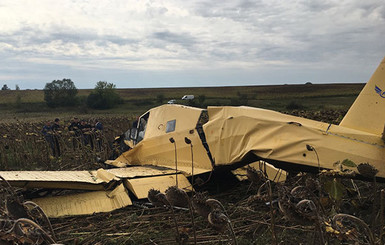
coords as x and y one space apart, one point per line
64 94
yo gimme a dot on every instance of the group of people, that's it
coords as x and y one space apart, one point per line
85 132
82 132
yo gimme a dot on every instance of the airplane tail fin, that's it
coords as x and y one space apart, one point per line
368 111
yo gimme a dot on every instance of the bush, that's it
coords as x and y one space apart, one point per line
201 99
293 105
60 93
241 100
160 98
104 96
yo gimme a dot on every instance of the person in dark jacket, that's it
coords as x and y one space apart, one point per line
98 125
97 135
86 131
75 131
49 137
56 136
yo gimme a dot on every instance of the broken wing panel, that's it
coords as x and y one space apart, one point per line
85 203
140 171
83 180
141 186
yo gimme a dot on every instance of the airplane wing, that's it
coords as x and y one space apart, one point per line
102 190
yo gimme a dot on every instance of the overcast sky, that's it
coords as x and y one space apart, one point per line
189 43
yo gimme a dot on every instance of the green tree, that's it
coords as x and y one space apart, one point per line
104 96
60 93
5 87
17 87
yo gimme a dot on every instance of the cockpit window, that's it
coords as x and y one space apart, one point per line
170 127
141 127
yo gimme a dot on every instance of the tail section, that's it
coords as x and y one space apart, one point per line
368 111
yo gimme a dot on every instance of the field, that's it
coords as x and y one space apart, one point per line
247 203
27 104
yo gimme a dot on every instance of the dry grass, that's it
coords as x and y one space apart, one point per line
23 146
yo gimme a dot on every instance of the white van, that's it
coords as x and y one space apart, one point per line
188 97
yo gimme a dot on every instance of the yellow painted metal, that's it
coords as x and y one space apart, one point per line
367 112
273 173
187 170
104 175
156 148
85 203
80 180
186 119
83 180
140 171
141 186
234 132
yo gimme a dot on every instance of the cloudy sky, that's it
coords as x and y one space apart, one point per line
189 43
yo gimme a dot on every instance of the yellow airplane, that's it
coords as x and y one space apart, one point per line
171 143
235 136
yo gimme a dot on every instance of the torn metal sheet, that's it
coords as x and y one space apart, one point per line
140 171
151 170
141 186
234 132
273 173
85 203
81 180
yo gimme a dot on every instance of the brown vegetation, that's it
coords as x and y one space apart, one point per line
330 207
23 147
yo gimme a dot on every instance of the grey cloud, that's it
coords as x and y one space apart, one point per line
184 39
155 11
317 6
297 35
241 11
35 36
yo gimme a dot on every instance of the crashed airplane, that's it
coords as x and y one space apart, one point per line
173 144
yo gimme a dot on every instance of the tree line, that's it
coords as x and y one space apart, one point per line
5 87
60 93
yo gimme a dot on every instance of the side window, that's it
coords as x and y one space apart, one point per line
141 127
170 127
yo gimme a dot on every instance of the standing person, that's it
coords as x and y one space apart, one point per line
98 130
74 126
47 133
85 130
74 130
98 125
55 137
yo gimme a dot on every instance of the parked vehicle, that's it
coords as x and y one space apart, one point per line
188 97
171 102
